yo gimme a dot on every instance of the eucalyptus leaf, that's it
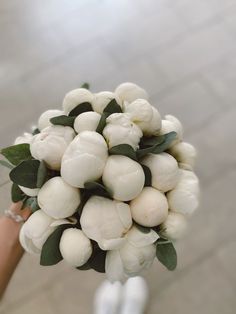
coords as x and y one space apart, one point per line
102 122
17 153
97 188
85 85
83 107
63 120
167 255
148 176
123 149
51 254
113 107
16 193
26 174
151 141
6 164
42 174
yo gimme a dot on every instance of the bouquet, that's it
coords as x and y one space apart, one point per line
109 182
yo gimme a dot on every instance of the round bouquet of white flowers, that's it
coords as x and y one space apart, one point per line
110 183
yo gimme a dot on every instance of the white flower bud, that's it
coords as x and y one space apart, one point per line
164 169
174 226
130 92
124 177
171 124
121 130
184 198
136 254
102 99
44 119
58 199
87 121
149 208
84 159
185 154
35 231
152 127
26 138
29 192
106 221
76 97
75 247
50 145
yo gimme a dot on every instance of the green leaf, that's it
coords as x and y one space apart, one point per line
17 153
32 203
42 174
83 107
16 193
123 149
51 254
142 228
85 85
63 120
35 131
84 198
26 174
151 141
112 107
158 148
167 255
97 188
6 164
96 261
148 176
102 122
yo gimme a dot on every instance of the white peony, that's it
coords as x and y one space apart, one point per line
84 159
124 177
44 119
35 231
170 124
121 130
29 192
106 221
184 198
149 208
174 226
58 199
164 169
76 97
87 121
50 144
26 138
185 154
102 99
154 125
136 254
75 247
130 92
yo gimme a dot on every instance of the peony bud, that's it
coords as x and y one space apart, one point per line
29 192
44 119
76 97
26 138
35 231
130 92
185 154
171 124
164 169
75 247
174 226
58 199
50 145
84 159
184 198
87 121
102 99
106 221
124 177
152 127
149 208
136 254
121 130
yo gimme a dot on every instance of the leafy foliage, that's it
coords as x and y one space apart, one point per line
16 193
17 153
85 85
148 176
166 254
83 107
96 188
123 149
63 120
26 174
42 174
